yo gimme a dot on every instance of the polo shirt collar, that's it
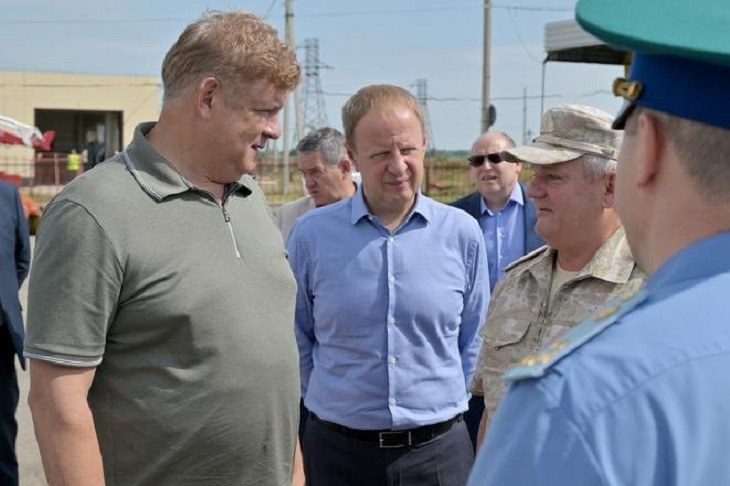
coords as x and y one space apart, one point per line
154 173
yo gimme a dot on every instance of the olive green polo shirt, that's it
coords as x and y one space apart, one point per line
185 307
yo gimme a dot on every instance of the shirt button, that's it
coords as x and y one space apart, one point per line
393 401
391 278
391 320
392 360
391 240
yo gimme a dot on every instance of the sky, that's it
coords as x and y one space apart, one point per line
378 41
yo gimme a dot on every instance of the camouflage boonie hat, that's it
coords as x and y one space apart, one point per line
568 132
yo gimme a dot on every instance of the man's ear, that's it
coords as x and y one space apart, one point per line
352 156
345 166
609 189
208 90
649 146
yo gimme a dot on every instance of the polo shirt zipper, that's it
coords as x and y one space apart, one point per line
227 219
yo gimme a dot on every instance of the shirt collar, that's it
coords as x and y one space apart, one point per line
612 262
515 196
692 262
154 173
423 207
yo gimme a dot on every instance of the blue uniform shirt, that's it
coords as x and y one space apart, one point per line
387 323
504 234
641 396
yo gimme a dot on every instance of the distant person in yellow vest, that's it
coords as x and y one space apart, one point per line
74 161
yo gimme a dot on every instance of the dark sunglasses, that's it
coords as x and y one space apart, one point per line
477 160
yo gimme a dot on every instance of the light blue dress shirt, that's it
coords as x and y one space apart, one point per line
504 233
643 399
387 323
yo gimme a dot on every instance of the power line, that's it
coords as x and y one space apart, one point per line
78 85
499 98
450 8
519 38
271 8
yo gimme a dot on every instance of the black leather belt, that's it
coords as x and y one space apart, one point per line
390 439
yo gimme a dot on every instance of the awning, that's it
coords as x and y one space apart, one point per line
566 41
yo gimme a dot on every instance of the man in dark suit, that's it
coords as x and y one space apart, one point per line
14 266
506 216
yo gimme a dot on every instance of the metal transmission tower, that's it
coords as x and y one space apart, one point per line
315 115
422 95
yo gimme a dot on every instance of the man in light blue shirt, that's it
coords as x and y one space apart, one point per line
505 213
392 289
508 227
640 394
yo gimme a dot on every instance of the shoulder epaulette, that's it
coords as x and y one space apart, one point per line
526 258
537 364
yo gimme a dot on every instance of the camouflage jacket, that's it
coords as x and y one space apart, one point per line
522 318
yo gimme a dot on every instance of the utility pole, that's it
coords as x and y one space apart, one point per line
485 65
422 95
289 35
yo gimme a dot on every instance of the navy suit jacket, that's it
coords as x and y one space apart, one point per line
471 203
14 262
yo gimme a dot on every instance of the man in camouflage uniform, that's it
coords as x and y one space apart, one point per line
587 260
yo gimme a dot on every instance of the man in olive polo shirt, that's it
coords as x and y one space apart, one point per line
161 302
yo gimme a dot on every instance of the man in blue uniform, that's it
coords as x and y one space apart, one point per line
640 394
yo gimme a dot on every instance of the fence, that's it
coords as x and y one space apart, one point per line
44 175
443 180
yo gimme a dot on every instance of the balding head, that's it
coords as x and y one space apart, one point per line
494 179
488 139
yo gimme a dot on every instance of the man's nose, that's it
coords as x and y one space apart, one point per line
272 129
535 189
397 164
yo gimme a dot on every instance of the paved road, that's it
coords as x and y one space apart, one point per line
29 459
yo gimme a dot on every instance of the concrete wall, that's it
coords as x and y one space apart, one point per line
22 92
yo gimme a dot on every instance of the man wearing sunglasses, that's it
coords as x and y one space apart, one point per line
505 213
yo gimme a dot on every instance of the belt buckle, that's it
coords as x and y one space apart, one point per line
382 438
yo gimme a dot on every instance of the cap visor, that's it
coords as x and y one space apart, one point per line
540 153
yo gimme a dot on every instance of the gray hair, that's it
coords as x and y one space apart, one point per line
595 166
328 141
